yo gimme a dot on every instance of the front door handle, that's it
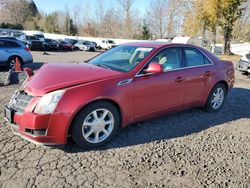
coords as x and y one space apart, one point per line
179 79
208 73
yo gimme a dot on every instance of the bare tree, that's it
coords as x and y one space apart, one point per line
127 6
17 10
242 26
157 18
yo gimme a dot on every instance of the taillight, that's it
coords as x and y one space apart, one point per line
27 49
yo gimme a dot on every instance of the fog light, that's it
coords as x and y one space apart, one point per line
36 132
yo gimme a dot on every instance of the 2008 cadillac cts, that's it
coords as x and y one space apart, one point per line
127 84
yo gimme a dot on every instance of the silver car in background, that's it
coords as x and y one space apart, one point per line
244 64
10 49
85 46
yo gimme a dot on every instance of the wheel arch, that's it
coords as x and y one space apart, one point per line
91 102
216 83
222 82
16 56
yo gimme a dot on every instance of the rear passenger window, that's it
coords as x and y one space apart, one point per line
2 44
12 44
195 58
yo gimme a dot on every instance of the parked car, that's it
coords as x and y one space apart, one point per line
129 83
94 43
63 45
244 64
10 49
51 44
34 43
71 41
107 44
85 46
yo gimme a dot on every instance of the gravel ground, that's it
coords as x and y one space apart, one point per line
187 149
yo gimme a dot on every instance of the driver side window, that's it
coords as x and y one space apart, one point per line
169 58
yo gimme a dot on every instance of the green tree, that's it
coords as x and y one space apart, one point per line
230 12
145 35
11 26
32 9
69 27
72 28
208 11
51 23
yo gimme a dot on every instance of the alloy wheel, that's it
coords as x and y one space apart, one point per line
217 98
98 125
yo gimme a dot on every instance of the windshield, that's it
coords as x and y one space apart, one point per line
122 58
111 42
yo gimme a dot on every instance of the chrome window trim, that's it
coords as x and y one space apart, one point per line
211 62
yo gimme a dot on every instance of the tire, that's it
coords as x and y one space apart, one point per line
245 73
215 103
11 62
88 125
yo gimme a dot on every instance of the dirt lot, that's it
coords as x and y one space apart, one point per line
186 149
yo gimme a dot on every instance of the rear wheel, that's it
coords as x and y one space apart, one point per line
12 62
216 98
95 125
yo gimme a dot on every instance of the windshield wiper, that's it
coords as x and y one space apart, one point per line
103 66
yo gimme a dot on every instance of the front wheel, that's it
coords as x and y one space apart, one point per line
216 98
95 125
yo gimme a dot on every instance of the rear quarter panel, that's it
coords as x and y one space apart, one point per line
223 72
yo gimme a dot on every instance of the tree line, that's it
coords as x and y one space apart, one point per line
215 20
221 18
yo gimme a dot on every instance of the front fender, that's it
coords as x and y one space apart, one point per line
77 97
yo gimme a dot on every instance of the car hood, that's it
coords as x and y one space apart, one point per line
55 76
246 58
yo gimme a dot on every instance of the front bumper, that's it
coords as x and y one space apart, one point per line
47 129
26 125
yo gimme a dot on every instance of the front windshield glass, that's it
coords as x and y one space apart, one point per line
111 42
122 58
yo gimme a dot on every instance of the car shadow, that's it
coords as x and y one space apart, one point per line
176 125
34 66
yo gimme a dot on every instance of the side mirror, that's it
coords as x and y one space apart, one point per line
154 67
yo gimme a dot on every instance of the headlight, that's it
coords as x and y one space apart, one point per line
48 102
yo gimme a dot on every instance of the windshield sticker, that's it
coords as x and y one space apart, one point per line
144 49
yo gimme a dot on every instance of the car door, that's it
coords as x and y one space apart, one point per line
198 73
162 91
3 52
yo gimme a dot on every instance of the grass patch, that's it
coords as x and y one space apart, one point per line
233 58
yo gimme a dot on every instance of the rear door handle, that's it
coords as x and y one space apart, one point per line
208 73
179 79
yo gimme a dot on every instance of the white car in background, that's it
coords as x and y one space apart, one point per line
84 46
244 64
107 44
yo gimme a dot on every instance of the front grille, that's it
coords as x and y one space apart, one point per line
20 101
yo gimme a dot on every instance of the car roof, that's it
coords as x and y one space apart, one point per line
156 44
12 40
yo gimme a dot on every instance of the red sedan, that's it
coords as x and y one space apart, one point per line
127 84
63 45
